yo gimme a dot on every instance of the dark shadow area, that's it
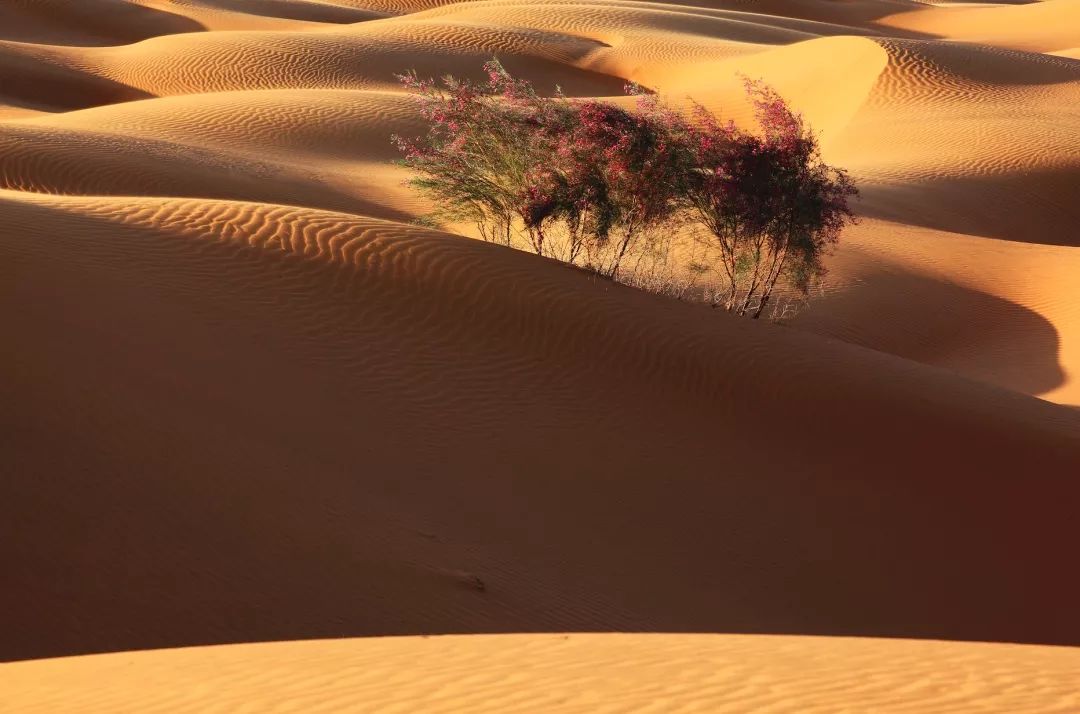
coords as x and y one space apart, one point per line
87 23
1026 207
299 10
916 317
34 83
205 441
834 18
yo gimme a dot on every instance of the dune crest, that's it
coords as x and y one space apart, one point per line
564 673
1046 26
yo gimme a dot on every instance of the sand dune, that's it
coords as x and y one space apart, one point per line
317 126
1046 26
1006 313
276 14
365 55
250 400
376 372
102 22
566 673
37 81
983 166
118 22
945 142
322 149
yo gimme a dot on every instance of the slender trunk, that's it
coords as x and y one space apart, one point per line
628 236
730 259
783 252
719 229
577 236
774 275
755 276
575 245
614 272
536 240
636 270
769 288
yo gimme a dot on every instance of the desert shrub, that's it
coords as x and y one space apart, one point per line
594 184
772 206
625 171
484 156
582 181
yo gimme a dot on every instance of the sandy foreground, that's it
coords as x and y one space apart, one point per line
247 400
559 672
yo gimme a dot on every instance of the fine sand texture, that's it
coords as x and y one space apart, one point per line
247 398
582 673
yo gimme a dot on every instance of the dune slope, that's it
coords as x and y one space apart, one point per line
564 673
373 429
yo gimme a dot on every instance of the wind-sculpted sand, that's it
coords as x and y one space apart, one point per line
249 399
561 672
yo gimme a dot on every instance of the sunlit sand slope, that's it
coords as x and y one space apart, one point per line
971 140
326 149
1047 26
1005 312
560 673
376 429
362 55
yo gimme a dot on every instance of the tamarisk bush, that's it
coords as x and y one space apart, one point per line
771 204
578 181
485 156
591 183
625 171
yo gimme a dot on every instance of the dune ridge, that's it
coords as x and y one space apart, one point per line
1047 26
567 673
